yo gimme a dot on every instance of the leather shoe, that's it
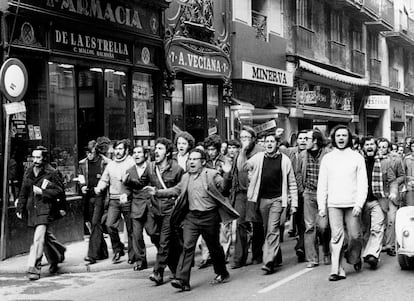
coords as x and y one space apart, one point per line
130 261
139 266
90 260
179 284
336 277
117 257
53 268
301 255
172 277
391 252
268 269
372 261
326 259
312 264
219 279
33 276
157 278
358 266
204 264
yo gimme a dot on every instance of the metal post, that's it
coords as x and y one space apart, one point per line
5 191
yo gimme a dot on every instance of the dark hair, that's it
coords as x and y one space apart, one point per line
91 145
382 139
202 153
234 142
250 130
168 145
125 142
145 150
187 136
367 138
341 127
44 151
213 140
102 145
320 141
302 132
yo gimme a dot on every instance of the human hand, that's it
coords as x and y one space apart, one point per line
37 190
279 132
322 212
62 212
16 202
19 215
293 210
84 189
123 198
226 166
392 197
150 190
356 211
96 190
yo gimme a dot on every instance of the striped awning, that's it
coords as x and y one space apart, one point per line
350 80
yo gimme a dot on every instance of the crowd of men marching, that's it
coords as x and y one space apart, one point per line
341 194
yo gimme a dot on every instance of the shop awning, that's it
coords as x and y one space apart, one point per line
238 104
333 75
270 113
323 114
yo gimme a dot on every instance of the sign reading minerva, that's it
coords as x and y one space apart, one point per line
266 74
90 45
197 58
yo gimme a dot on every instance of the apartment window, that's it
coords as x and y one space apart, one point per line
259 18
304 13
336 27
373 46
357 40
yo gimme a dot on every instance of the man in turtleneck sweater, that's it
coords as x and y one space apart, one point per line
308 163
118 197
272 183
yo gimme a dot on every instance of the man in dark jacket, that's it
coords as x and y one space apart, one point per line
42 197
200 208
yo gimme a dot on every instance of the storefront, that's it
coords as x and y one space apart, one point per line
199 70
94 69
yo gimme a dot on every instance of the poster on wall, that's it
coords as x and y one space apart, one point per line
141 119
68 174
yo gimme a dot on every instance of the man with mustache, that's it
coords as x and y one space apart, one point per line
119 202
342 190
381 185
42 198
163 173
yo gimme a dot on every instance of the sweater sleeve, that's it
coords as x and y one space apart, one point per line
361 182
292 186
322 190
104 181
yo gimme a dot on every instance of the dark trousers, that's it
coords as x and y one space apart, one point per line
206 224
97 248
243 228
258 239
160 237
300 225
138 244
114 217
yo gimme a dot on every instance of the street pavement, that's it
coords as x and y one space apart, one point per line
292 281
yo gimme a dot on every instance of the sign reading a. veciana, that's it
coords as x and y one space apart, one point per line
266 74
90 45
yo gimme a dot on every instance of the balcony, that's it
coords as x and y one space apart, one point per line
259 22
404 36
358 62
304 41
394 83
383 11
409 83
375 71
337 53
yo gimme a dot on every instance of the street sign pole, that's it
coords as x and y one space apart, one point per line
5 191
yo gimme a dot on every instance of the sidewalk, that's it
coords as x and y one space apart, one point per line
74 263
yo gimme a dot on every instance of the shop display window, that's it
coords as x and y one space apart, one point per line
212 108
143 109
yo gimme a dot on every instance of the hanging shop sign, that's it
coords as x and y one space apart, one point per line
124 14
265 126
378 102
397 111
266 74
197 58
86 44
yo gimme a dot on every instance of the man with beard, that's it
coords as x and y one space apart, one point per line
119 202
298 219
139 205
342 190
308 171
381 181
238 198
162 173
91 169
42 198
394 200
272 183
199 209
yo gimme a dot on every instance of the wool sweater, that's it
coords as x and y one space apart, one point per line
343 181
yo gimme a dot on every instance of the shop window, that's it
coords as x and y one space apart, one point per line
115 105
212 109
194 110
143 109
178 106
62 126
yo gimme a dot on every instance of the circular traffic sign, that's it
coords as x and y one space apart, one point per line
13 79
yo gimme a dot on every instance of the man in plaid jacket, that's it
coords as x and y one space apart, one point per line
381 185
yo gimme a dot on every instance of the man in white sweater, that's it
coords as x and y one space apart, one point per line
342 191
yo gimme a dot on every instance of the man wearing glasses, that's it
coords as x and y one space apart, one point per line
200 207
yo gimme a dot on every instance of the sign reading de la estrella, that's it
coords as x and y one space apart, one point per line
90 45
198 58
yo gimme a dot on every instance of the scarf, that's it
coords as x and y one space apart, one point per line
377 184
272 155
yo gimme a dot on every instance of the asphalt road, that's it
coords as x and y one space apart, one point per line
292 281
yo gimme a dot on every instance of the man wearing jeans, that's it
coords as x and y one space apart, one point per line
272 182
342 189
308 172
